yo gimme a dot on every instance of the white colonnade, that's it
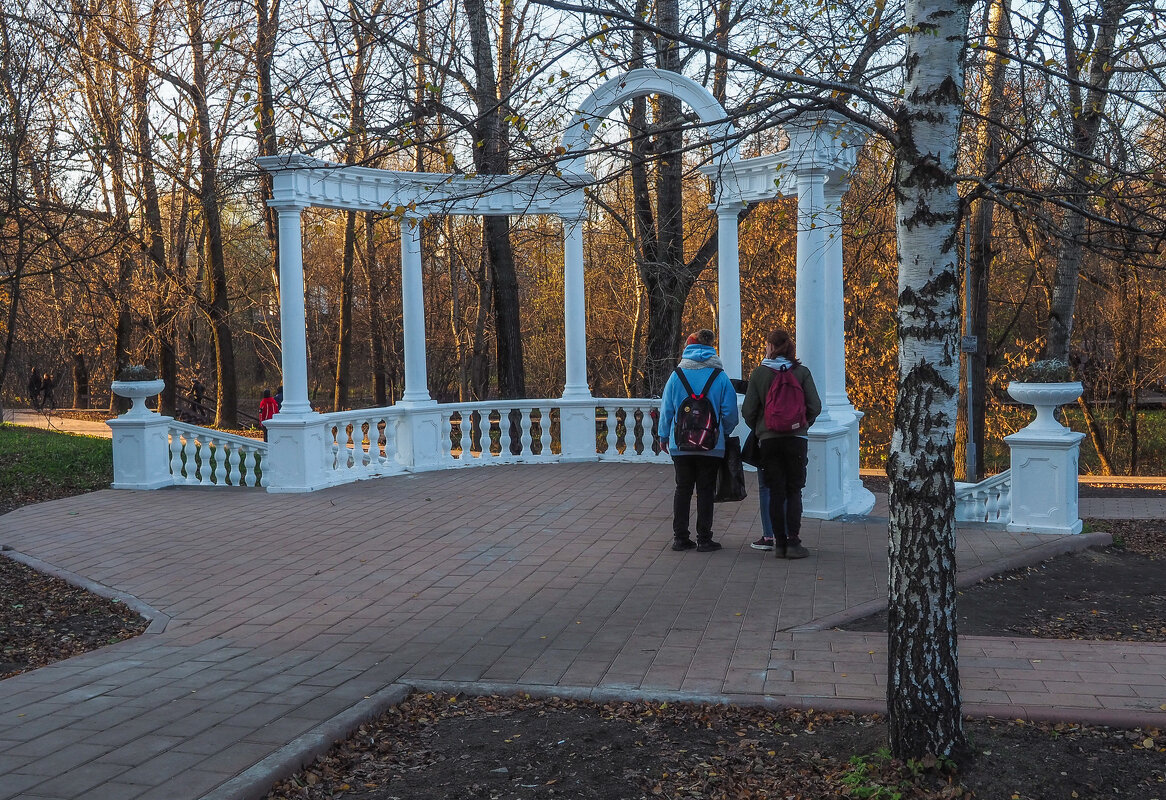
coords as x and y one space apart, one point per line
814 167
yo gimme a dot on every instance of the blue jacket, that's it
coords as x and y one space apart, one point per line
721 394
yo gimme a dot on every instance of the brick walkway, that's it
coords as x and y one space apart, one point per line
289 617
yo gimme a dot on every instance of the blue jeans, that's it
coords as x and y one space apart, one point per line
763 496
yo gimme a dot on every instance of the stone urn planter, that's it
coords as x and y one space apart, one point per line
138 391
1045 398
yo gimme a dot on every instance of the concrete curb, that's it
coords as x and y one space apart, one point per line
1034 555
158 620
255 782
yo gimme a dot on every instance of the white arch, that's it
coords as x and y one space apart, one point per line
601 102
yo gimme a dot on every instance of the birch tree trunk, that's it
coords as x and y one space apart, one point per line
923 699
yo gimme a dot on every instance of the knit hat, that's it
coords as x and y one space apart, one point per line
692 339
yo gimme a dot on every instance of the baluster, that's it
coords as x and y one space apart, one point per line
206 463
1006 501
993 506
190 452
609 436
256 461
964 510
375 454
637 431
233 465
524 433
174 440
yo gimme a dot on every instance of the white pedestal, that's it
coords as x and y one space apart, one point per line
859 499
141 450
829 450
419 436
1044 481
577 431
296 453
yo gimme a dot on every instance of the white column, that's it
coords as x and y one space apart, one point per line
834 320
729 287
413 313
574 308
859 499
293 329
810 298
294 461
577 412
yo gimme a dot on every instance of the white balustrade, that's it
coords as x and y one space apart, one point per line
497 432
360 444
206 457
988 502
629 429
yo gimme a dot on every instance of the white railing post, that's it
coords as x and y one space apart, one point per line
141 449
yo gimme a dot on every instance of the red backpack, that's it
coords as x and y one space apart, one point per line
697 427
785 403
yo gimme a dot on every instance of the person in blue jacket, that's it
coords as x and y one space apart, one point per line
697 468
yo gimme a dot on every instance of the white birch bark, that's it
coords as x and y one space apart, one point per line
923 699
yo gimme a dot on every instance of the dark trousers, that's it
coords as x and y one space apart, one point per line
699 472
784 460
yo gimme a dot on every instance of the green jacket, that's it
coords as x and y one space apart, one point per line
753 408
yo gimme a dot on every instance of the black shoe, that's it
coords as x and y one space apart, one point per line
796 551
707 547
779 549
683 544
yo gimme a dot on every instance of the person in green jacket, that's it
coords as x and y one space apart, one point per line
783 454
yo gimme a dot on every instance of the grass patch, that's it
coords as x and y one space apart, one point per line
38 465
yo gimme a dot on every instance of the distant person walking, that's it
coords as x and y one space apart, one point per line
268 408
35 387
698 408
780 414
47 384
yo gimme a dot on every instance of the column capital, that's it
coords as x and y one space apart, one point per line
288 206
728 206
573 215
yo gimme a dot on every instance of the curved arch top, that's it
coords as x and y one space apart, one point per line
635 83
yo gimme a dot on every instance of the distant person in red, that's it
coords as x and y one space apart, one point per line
268 408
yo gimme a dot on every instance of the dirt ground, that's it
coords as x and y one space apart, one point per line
491 747
517 747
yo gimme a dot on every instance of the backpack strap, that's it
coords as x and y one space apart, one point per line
708 384
688 387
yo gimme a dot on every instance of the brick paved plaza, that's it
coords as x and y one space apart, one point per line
283 619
